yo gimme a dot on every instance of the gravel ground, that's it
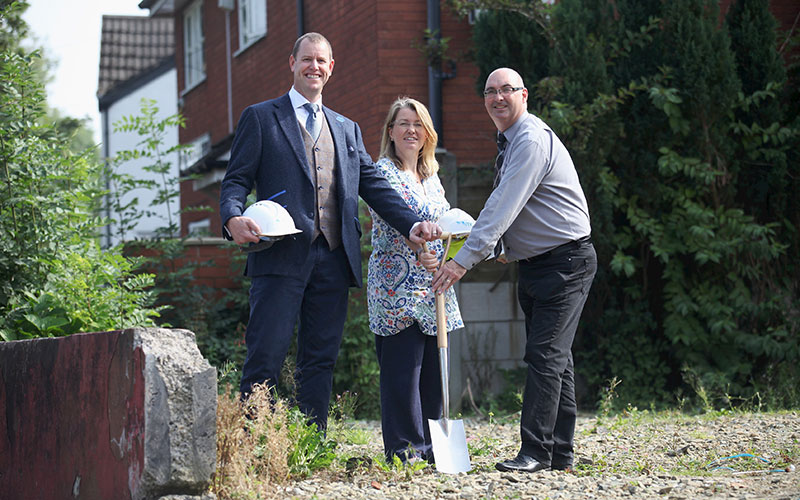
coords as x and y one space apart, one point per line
636 455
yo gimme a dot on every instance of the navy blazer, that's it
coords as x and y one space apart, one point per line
268 153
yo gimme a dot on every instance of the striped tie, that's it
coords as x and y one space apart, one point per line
498 162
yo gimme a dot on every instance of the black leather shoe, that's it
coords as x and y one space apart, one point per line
562 467
521 463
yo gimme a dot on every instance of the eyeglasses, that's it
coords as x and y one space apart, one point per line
407 125
503 91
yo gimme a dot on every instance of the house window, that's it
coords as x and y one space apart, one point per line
252 21
199 228
195 151
194 66
474 14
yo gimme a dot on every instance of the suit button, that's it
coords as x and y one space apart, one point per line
321 188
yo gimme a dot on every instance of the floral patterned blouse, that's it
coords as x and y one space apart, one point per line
398 287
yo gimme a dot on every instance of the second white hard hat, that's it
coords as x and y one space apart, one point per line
456 222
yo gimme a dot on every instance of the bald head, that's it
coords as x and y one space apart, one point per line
507 99
506 74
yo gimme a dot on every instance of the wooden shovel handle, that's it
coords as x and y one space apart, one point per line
441 322
441 316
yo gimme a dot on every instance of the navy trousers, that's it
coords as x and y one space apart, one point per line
552 292
411 392
314 299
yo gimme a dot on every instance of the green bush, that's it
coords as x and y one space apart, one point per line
54 278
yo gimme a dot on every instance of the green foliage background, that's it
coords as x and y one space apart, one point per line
673 119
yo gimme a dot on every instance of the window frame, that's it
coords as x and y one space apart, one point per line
253 22
194 64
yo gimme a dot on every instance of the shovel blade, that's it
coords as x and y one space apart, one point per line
449 445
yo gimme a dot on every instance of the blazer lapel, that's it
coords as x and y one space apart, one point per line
287 120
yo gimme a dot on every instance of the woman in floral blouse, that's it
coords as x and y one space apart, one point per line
402 311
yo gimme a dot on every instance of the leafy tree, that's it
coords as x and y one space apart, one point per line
762 160
582 29
523 48
54 279
12 27
754 43
77 133
15 37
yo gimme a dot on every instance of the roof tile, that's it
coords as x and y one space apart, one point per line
131 46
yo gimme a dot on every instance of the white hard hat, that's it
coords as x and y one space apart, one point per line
456 222
272 218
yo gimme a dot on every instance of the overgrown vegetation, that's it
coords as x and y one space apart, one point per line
54 277
266 442
674 121
686 136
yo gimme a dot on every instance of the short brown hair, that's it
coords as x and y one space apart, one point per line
314 38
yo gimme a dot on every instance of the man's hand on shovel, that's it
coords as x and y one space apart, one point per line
424 231
447 275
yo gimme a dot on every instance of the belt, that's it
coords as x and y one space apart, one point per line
570 245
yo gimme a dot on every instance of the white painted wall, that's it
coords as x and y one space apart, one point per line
164 90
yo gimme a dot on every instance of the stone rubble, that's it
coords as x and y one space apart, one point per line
616 460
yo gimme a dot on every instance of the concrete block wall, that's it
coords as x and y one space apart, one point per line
492 340
116 415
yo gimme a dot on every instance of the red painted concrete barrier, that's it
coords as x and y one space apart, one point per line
88 416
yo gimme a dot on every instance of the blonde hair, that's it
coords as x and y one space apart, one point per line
426 162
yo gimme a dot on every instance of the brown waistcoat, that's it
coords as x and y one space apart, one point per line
322 161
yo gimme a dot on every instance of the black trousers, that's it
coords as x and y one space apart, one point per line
411 392
552 292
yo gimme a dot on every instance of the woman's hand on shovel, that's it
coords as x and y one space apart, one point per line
428 260
447 275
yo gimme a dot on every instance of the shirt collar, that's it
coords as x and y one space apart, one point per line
298 99
512 131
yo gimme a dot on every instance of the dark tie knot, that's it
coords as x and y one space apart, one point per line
501 141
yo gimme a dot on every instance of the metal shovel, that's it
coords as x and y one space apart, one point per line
447 436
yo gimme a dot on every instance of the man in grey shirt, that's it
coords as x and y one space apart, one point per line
538 215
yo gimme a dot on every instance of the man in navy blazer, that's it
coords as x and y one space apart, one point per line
304 279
